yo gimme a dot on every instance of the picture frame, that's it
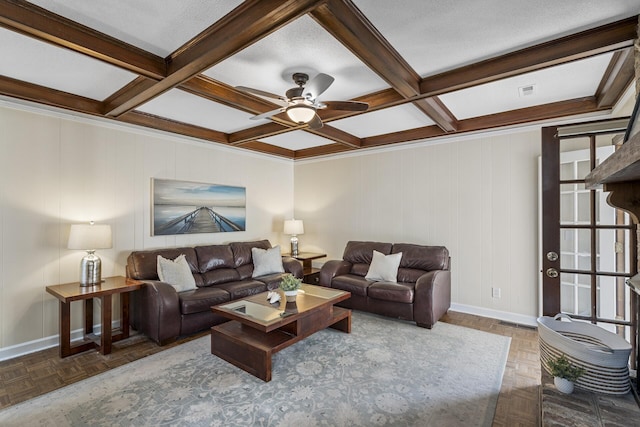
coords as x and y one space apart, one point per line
187 207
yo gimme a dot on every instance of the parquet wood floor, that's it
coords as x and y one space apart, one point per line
32 375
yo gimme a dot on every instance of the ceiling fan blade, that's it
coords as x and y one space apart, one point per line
317 85
346 105
268 114
315 123
261 93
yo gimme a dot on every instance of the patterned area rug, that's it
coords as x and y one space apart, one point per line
385 373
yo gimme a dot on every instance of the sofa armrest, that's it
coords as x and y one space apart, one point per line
293 266
331 269
432 297
158 311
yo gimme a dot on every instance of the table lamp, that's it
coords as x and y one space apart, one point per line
90 237
294 227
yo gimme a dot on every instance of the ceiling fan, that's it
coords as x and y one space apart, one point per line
301 103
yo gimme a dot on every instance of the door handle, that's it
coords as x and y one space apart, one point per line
552 256
552 272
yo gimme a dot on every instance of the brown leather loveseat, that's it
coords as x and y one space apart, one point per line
422 292
221 272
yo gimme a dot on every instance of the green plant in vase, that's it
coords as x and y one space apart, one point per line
564 373
290 285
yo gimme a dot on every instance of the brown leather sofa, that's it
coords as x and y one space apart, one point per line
221 272
422 292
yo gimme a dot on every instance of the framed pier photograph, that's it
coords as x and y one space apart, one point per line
184 207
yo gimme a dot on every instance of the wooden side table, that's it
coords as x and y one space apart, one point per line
311 275
70 292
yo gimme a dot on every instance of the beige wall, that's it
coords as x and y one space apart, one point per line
476 196
57 170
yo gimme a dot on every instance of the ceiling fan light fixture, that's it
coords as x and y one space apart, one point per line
301 113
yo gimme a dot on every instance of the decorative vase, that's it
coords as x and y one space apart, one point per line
291 295
563 385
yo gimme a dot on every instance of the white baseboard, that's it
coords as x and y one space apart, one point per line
45 343
520 319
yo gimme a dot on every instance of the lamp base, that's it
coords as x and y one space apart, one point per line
294 246
90 270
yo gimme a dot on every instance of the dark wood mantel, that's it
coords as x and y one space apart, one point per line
619 175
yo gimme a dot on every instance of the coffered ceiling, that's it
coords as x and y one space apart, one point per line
427 68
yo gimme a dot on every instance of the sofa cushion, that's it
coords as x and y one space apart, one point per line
202 299
422 257
219 275
391 291
362 252
409 275
242 251
266 261
243 288
357 285
212 257
384 267
143 265
176 273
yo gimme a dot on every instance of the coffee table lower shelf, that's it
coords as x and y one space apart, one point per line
251 350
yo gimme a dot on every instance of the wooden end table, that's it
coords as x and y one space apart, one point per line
69 292
311 275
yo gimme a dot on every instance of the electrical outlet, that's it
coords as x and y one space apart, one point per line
495 292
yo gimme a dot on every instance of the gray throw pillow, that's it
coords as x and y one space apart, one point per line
384 268
176 273
266 261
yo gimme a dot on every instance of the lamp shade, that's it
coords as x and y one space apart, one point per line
301 113
90 236
293 227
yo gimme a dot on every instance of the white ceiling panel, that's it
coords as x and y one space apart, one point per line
159 27
380 122
184 107
297 140
46 65
435 35
300 46
573 80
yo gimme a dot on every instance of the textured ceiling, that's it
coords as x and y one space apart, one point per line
426 68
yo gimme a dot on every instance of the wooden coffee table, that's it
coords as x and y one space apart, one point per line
258 329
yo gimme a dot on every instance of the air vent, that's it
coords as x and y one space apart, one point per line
527 90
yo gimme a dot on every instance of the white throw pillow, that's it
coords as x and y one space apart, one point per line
384 267
266 261
176 273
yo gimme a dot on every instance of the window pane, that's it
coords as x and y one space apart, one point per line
567 208
584 241
584 209
575 294
613 298
613 247
568 242
584 167
566 171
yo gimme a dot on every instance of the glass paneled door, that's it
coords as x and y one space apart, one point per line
588 247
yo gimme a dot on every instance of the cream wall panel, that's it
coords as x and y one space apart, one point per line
477 196
57 170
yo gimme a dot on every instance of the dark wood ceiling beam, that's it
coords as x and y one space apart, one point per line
261 147
221 93
243 26
346 23
321 150
508 118
619 75
167 125
263 131
606 38
434 107
44 95
36 22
